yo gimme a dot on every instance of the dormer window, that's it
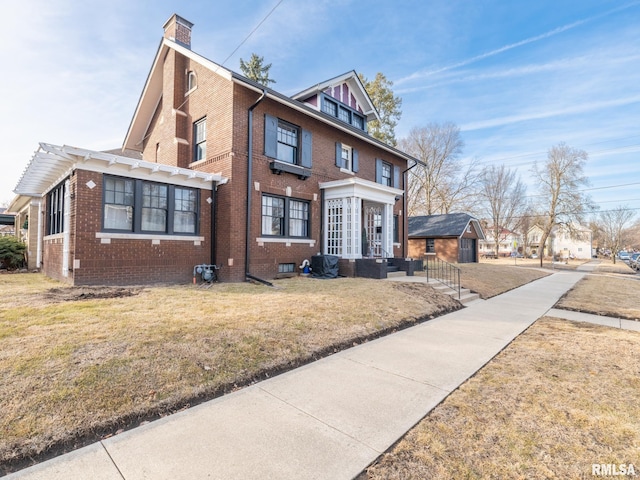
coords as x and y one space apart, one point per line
344 115
330 107
342 112
192 81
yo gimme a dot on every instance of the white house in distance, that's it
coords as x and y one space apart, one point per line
562 242
508 242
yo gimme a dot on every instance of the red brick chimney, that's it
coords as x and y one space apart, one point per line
179 30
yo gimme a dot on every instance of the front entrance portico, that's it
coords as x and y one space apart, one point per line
358 218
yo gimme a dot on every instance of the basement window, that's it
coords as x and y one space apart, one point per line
286 267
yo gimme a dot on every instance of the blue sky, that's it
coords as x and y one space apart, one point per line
517 77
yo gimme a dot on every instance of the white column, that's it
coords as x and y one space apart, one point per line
357 227
387 228
66 234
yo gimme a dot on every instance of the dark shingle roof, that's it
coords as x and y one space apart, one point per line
449 225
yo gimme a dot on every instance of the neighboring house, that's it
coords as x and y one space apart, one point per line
453 237
7 222
231 173
562 242
508 242
24 208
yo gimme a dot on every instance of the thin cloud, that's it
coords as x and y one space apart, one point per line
551 33
572 110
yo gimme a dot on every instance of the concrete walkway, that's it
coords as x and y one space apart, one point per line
597 319
327 420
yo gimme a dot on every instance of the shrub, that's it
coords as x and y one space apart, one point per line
11 252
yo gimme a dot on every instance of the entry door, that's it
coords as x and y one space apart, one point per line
468 250
373 229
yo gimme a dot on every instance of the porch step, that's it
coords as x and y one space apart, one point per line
396 273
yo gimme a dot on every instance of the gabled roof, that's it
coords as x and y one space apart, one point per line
356 87
152 93
448 225
51 164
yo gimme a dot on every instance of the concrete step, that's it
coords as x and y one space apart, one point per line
466 295
396 274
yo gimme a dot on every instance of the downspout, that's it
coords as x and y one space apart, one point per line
249 187
213 222
404 207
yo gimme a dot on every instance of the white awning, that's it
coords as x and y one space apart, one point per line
51 164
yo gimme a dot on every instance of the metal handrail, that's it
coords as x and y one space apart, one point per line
443 272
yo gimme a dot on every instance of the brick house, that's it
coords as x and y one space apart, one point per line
231 173
453 237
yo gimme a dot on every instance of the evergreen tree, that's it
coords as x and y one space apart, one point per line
255 70
388 106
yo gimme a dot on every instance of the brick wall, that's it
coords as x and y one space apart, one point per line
417 247
123 261
447 249
225 105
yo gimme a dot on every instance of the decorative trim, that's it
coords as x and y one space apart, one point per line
155 238
288 241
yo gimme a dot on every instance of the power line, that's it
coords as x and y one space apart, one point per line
252 32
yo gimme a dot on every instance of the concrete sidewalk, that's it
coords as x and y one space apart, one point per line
327 420
597 319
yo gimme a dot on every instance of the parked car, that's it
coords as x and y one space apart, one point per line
634 261
624 256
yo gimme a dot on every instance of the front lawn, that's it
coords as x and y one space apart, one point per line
559 399
80 363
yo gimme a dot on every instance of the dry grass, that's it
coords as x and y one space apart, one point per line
607 266
534 262
560 398
74 366
613 296
490 280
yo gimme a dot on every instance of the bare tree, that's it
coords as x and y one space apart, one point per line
561 200
441 183
613 224
503 200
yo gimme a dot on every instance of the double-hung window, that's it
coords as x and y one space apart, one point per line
287 143
140 206
298 218
285 217
200 140
272 215
346 157
118 203
185 213
386 174
154 207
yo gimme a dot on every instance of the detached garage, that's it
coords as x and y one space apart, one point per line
452 237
